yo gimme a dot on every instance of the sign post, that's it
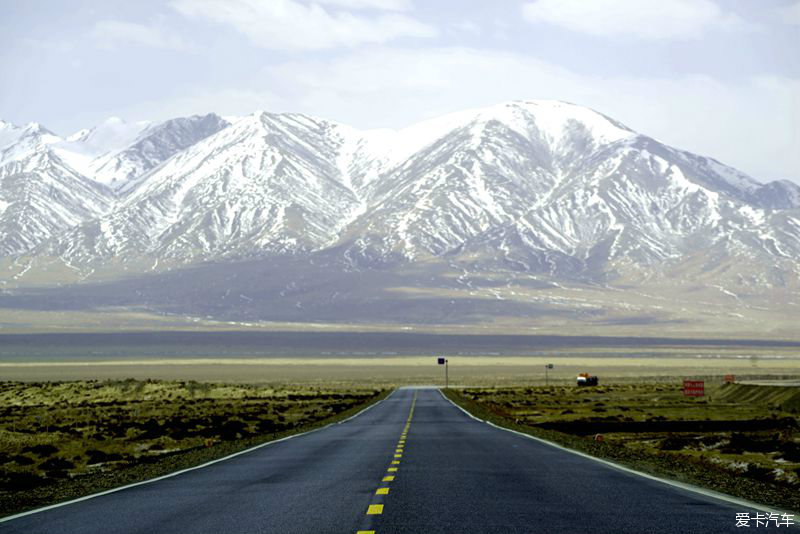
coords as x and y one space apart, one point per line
443 361
694 388
546 367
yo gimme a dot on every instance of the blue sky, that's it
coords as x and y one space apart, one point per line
718 78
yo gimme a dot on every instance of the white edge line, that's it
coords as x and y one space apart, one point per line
687 487
176 473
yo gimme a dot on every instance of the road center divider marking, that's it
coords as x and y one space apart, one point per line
377 509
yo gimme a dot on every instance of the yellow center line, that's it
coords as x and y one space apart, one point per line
377 509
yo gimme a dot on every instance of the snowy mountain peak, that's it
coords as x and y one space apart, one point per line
77 136
542 184
35 127
34 130
112 134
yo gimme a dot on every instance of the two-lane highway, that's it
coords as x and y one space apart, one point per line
413 463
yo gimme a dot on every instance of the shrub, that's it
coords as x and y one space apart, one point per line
22 460
96 456
674 443
56 467
740 442
42 451
232 429
56 464
790 452
15 481
266 425
759 473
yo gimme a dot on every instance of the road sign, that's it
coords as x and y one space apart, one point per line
549 365
694 388
443 361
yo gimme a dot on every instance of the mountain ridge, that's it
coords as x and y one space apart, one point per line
547 186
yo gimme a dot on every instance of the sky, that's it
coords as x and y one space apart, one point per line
719 78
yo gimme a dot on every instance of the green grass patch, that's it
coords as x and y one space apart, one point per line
62 440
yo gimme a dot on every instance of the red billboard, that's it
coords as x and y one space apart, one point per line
694 388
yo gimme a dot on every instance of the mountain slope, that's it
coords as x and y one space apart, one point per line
40 195
487 171
267 183
153 146
533 186
551 187
35 206
116 153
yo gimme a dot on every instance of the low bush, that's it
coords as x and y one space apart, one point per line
43 451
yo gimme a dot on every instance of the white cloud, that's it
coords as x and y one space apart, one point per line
466 26
751 124
110 33
292 25
644 19
790 14
389 5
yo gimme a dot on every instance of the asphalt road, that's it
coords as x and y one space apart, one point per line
414 463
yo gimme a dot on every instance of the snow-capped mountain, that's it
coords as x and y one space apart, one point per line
49 184
120 169
267 183
536 186
40 195
556 188
116 153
